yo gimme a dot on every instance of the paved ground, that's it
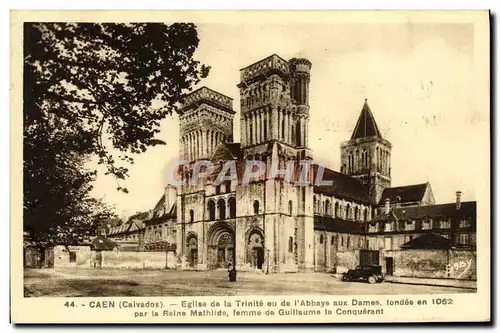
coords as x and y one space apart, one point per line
116 282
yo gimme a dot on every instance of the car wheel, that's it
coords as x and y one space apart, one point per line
372 279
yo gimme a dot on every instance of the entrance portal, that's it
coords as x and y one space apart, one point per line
221 245
255 249
192 250
225 249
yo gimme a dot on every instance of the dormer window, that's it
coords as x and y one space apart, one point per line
444 224
410 225
427 224
465 223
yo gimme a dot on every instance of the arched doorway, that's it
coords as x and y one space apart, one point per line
192 250
255 248
221 245
225 249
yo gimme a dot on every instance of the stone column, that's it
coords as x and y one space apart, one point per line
243 125
274 123
261 126
190 147
280 124
207 143
299 128
257 129
202 144
287 126
306 132
254 128
251 139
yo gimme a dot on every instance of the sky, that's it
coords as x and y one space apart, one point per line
419 80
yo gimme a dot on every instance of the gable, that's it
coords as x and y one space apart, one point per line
405 194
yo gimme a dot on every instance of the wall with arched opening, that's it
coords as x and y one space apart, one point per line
220 245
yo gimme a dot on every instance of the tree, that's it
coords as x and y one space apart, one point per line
95 90
58 208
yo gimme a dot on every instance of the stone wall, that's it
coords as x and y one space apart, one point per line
433 263
34 258
337 252
157 260
73 256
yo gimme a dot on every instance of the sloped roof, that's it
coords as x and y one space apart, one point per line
227 151
171 214
112 222
408 193
428 241
139 216
136 225
366 125
103 243
334 224
467 209
343 186
160 205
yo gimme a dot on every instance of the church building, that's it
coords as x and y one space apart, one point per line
269 224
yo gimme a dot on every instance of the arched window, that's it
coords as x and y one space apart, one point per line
315 209
348 212
321 240
256 207
356 213
337 212
290 207
341 241
227 185
232 207
327 207
290 244
211 210
191 216
222 209
217 189
365 214
332 240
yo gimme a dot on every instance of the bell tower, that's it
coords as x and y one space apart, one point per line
367 155
274 96
206 119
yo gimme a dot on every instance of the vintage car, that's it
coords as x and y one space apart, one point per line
372 274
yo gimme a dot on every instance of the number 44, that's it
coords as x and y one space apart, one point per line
69 304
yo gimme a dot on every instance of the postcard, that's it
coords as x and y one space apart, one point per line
250 166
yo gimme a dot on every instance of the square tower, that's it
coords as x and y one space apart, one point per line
367 155
274 96
206 119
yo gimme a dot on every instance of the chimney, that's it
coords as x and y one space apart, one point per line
170 197
387 205
459 202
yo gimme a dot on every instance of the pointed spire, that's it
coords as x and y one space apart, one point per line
366 125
